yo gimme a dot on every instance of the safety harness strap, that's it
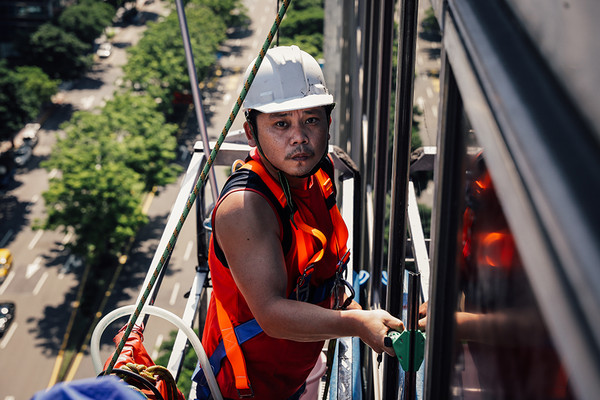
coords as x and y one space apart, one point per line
243 332
233 352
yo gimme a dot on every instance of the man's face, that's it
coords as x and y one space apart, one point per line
293 141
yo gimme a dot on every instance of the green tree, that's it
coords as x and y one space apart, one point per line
23 91
60 54
87 19
95 194
303 26
157 63
146 143
232 12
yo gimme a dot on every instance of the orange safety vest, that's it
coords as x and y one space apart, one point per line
229 317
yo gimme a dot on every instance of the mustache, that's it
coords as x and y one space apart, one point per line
302 149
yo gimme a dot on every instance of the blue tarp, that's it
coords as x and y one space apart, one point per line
105 388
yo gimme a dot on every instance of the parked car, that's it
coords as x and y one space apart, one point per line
30 134
7 314
104 50
22 155
6 261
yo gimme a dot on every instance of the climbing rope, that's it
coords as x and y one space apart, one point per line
199 183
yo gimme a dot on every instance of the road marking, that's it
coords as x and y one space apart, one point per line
434 111
6 238
67 238
421 103
35 239
74 367
159 340
419 60
86 102
40 283
7 281
52 173
8 335
429 92
148 201
56 369
9 398
188 250
174 294
35 198
33 267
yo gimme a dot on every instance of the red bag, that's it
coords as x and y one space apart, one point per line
134 358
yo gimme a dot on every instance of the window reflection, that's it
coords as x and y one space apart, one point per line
503 349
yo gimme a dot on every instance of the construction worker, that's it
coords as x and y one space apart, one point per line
278 248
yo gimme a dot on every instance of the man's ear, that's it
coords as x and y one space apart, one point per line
249 136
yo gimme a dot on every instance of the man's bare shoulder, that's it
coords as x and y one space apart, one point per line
245 210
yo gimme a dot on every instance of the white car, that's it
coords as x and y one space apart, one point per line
104 50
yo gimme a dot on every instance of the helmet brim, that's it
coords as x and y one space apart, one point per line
311 101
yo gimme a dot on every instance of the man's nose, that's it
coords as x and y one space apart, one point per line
299 134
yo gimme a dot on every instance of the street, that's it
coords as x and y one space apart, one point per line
44 280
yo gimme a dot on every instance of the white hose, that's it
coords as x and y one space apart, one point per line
167 315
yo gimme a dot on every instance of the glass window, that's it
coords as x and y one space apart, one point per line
503 349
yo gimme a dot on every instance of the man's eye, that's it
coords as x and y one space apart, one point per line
280 124
312 120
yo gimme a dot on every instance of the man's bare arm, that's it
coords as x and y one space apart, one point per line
248 232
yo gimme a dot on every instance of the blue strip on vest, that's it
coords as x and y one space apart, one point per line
243 332
247 331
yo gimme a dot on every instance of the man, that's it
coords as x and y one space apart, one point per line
278 247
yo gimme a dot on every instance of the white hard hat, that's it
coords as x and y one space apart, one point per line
288 79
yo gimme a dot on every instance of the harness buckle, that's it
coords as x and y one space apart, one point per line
340 285
245 393
303 284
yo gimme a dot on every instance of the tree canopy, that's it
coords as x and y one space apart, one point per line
23 91
157 63
107 162
59 53
87 19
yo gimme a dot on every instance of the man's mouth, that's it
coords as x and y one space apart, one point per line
301 155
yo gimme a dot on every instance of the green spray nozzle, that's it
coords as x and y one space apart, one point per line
400 341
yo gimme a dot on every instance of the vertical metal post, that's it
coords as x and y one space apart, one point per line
189 57
277 38
384 83
409 391
448 177
400 174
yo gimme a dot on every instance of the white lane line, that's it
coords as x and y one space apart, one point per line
9 398
6 238
429 92
40 283
434 111
7 281
33 267
174 294
159 340
87 102
35 198
188 250
67 238
8 335
52 173
35 239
